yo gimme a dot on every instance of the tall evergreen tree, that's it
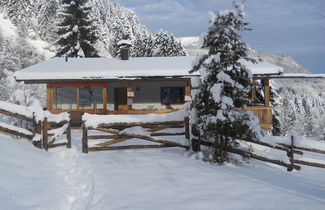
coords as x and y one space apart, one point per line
76 32
142 46
166 45
21 13
217 108
45 18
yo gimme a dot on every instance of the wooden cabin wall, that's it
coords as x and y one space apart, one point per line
145 95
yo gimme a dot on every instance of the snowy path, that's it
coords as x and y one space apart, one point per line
76 178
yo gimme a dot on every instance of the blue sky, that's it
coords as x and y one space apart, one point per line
291 27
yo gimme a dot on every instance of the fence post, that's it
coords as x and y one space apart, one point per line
187 127
84 139
37 129
196 144
290 155
45 135
69 135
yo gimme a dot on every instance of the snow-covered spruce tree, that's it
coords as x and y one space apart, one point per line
120 29
76 32
225 85
166 45
47 14
21 13
142 46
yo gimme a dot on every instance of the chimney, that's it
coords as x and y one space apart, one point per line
124 53
124 46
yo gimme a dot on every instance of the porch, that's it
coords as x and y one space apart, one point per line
136 97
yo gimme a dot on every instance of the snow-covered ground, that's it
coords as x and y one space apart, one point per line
169 178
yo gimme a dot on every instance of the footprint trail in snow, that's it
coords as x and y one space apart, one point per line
76 181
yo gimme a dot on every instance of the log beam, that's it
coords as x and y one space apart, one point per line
128 147
151 124
115 141
302 162
16 133
154 140
167 134
19 116
103 137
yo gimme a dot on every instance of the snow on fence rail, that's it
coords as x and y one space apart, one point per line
41 134
120 128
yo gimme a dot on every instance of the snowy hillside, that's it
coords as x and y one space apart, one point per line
299 102
146 179
192 46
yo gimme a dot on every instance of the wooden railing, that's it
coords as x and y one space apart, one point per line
290 150
264 114
42 133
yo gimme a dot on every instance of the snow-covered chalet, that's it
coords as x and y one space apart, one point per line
130 86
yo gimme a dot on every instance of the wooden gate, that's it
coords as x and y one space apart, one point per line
116 133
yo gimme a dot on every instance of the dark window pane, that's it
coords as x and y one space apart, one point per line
85 96
172 95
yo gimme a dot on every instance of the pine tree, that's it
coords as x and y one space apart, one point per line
225 85
276 124
76 33
120 29
176 48
21 13
142 46
45 17
166 45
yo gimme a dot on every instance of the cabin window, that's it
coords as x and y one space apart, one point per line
64 98
85 96
67 98
172 95
90 97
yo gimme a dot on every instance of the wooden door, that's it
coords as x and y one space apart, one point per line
120 99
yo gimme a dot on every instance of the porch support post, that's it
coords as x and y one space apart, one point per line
104 92
254 92
187 91
266 92
78 97
130 96
49 97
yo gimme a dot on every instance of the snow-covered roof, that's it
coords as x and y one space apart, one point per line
296 75
111 68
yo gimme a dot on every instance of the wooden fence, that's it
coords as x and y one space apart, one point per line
40 132
52 130
115 134
291 151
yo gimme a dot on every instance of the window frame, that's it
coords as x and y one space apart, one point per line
173 103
